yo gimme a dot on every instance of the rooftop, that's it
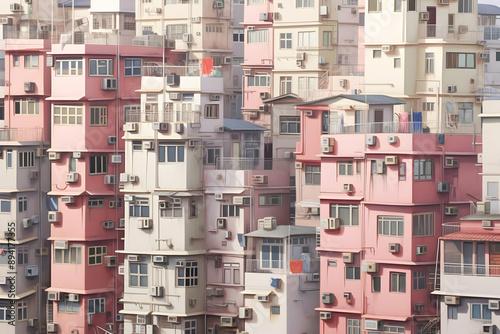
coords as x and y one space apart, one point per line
283 231
369 99
241 125
484 9
472 236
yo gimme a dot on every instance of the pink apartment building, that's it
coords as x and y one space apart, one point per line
386 188
93 87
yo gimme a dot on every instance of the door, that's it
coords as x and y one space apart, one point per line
379 121
495 259
236 149
480 260
468 253
492 196
431 24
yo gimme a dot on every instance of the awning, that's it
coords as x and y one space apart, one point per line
256 292
65 98
472 236
134 312
224 190
145 90
177 193
309 203
383 317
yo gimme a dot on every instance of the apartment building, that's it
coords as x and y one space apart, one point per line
488 22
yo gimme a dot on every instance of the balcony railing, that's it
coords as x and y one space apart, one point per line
252 164
167 116
471 269
188 71
279 266
347 70
449 228
451 33
21 135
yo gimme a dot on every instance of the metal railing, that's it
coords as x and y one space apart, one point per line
279 266
167 116
451 33
188 71
346 70
449 228
21 135
471 269
252 164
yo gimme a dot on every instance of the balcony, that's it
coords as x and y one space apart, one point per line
183 71
160 116
21 135
279 266
347 70
485 270
252 164
448 33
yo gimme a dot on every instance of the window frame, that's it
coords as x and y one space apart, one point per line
419 282
26 159
74 67
398 282
313 173
187 274
453 60
98 164
287 123
427 226
334 213
270 199
229 210
98 305
140 208
131 69
385 226
100 64
211 111
423 169
30 61
98 116
97 256
140 275
285 40
352 273
26 106
71 255
165 153
345 168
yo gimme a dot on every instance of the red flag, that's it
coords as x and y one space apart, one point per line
207 65
296 267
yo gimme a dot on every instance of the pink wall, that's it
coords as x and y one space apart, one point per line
309 146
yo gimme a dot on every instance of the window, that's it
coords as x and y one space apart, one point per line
31 61
22 310
176 31
377 53
423 169
96 254
72 255
26 159
307 39
460 60
96 305
397 5
465 6
229 210
345 167
286 85
257 36
129 22
5 205
173 209
290 124
307 85
190 327
238 35
352 273
480 311
348 214
402 171
101 67
212 155
305 3
193 208
397 62
103 21
285 40
95 202
171 152
465 112
428 106
398 282
275 310
429 62
6 313
491 33
98 164
231 273
22 255
211 111
213 28
187 274
98 116
423 224
259 80
140 208
376 283
22 203
138 274
393 328
390 226
412 5
16 61
374 6
313 174
353 326
65 306
418 280
72 164
452 312
270 199
69 67
256 2
68 115
133 67
327 39
272 253
26 106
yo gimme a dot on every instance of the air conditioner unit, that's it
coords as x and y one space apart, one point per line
259 179
451 210
373 324
348 187
174 96
148 145
452 89
6 20
194 142
40 152
218 4
327 298
264 95
353 11
29 87
323 10
134 258
424 16
15 7
218 292
451 162
219 196
443 187
270 223
322 61
264 108
483 207
227 61
116 159
421 250
326 149
487 223
388 48
73 297
219 128
173 79
129 198
246 71
33 174
298 165
314 277
228 321
493 304
343 83
160 259
196 19
110 260
27 222
188 38
242 200
77 155
158 10
380 166
330 223
42 251
54 296
145 223
109 179
299 63
394 248
347 295
179 128
172 319
72 177
228 235
308 113
488 328
162 126
109 84
192 302
451 300
369 267
108 225
325 315
263 298
483 55
391 160
370 140
142 319
314 211
463 29
121 223
54 156
348 257
214 97
209 292
130 127
51 327
156 291
418 307
245 312
221 222
54 216
479 99
288 155
119 318
59 244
